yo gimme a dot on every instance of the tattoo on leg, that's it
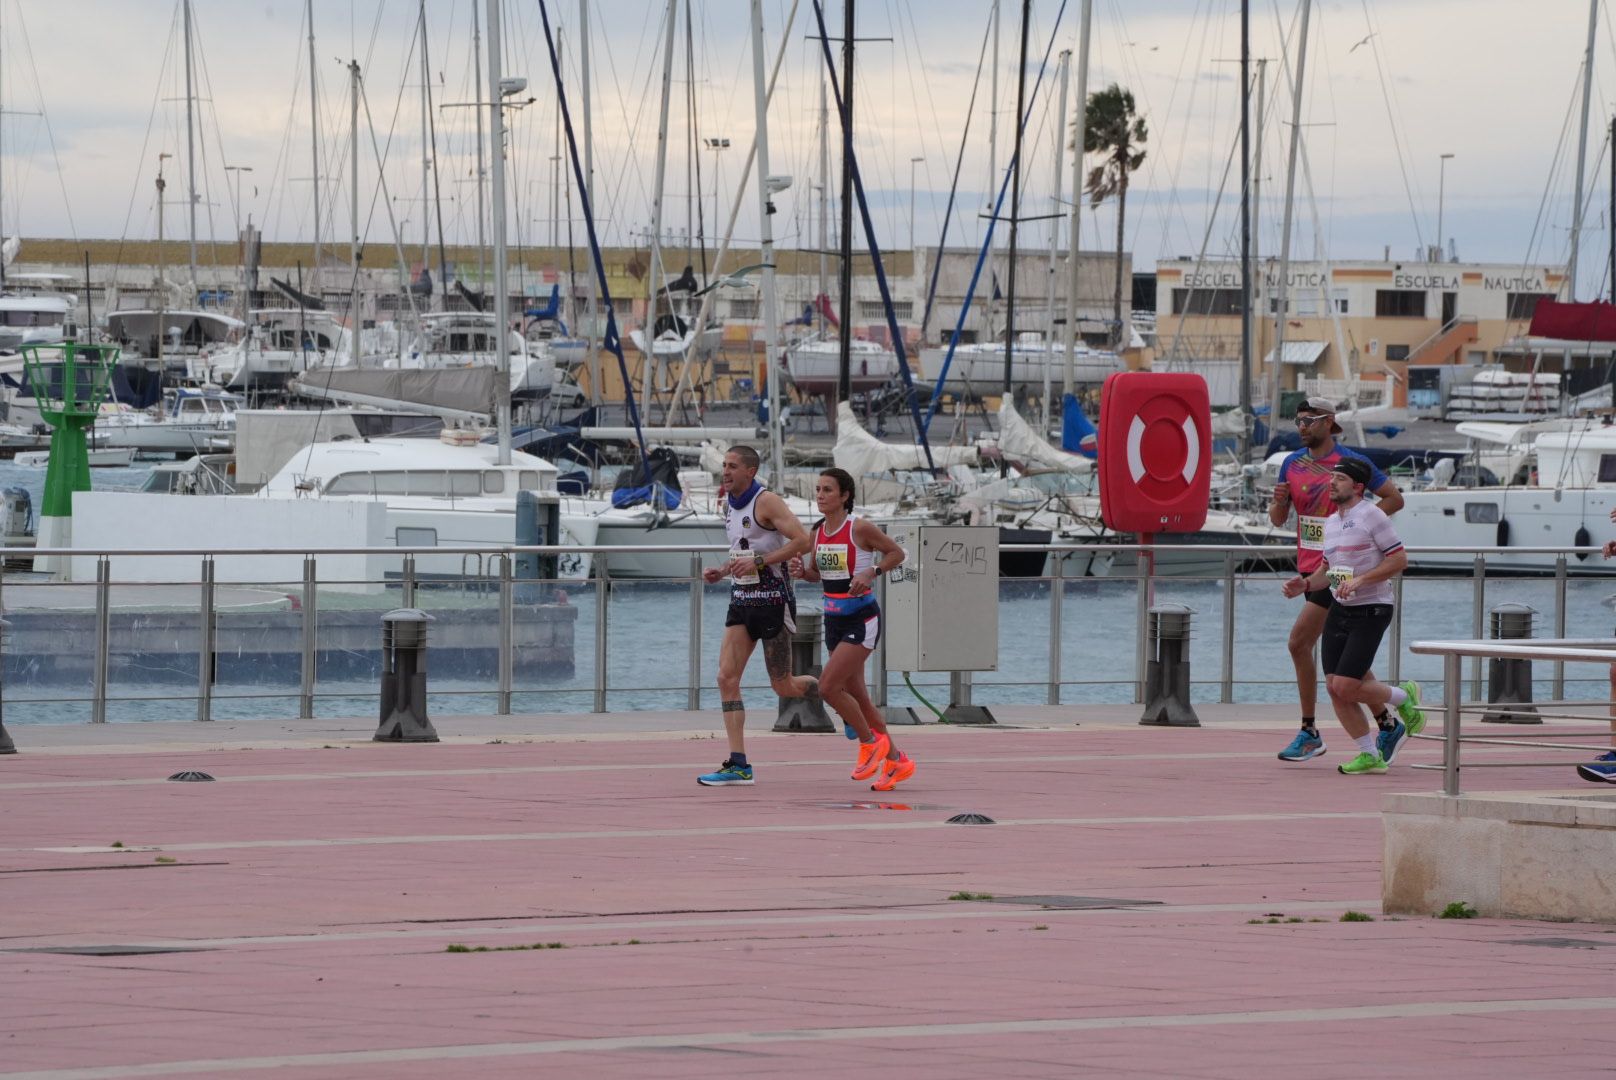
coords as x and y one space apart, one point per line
777 656
734 706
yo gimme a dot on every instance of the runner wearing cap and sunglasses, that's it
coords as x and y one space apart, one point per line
1304 485
1361 555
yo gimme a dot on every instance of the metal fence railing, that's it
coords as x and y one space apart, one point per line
220 632
1558 651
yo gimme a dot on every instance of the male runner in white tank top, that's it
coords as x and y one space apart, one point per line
764 535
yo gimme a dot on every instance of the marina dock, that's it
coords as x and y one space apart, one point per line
1149 902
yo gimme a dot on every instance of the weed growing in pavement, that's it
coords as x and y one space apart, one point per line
166 860
116 843
972 896
1356 916
1459 909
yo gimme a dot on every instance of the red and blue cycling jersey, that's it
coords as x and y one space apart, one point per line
1309 480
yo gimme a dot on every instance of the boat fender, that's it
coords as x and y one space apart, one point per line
1583 539
1503 533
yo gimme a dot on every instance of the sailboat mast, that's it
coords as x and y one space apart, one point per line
771 309
1054 231
314 140
593 355
502 294
1245 232
1015 200
824 190
844 359
1282 312
426 149
190 138
656 207
1582 150
353 209
477 110
1079 130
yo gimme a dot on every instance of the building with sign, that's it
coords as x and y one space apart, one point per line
1351 320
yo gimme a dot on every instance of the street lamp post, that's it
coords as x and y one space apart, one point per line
715 144
1441 192
912 163
236 206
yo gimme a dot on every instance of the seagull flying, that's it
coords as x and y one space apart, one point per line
1365 41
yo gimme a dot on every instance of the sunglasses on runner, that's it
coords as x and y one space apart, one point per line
1308 421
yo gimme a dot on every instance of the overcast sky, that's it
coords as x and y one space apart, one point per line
94 91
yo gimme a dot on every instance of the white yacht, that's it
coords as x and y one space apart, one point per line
979 368
33 319
450 339
1567 504
278 345
191 421
814 365
182 334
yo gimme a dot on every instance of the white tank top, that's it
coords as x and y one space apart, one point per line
747 537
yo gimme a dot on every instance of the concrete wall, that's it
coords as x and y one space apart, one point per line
131 519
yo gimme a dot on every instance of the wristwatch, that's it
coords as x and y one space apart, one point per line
757 560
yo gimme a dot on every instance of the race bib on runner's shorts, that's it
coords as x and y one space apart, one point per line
1310 533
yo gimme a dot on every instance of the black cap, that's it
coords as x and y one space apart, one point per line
1354 469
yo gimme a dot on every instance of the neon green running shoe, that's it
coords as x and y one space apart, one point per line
1365 762
1410 710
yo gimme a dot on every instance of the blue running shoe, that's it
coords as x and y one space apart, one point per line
1390 740
1602 771
729 774
1306 746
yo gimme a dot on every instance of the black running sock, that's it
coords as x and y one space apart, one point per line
738 760
1310 726
1384 720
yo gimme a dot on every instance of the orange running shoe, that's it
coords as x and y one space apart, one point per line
894 773
870 756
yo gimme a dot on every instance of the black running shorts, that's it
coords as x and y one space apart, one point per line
1352 634
862 628
763 622
1322 597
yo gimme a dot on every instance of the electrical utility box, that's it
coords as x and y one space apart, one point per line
942 604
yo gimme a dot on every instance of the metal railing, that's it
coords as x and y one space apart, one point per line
1560 651
494 574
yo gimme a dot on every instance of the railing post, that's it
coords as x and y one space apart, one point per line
1141 622
1394 662
601 603
1226 696
693 694
407 582
1478 619
305 702
1057 587
205 644
103 635
878 690
507 634
1450 723
1559 623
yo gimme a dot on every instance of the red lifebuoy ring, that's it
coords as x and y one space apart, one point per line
1155 452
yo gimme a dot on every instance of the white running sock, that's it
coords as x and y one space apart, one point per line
1398 696
1367 744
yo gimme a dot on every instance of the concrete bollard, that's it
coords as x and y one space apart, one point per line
1509 682
403 705
6 745
805 714
1167 672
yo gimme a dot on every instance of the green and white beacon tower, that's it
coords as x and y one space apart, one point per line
69 381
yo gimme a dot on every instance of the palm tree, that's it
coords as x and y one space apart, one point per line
1115 131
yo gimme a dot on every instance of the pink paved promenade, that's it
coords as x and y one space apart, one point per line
299 910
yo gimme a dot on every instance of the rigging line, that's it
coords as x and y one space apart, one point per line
976 273
50 132
609 339
908 12
869 228
1172 212
277 199
1206 241
218 139
1539 235
953 188
157 97
1386 94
